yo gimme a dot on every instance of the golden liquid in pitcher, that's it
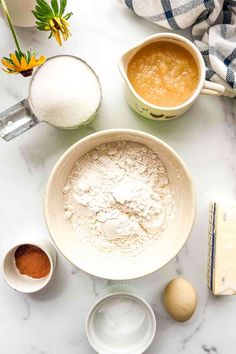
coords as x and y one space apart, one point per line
164 74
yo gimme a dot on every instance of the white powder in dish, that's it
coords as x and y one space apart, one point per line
119 317
118 198
65 92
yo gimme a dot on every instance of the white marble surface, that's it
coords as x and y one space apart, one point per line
52 322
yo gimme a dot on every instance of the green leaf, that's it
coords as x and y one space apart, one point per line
55 7
38 9
42 28
8 60
45 8
28 56
62 7
41 24
18 55
67 16
40 17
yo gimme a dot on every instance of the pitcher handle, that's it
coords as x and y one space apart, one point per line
16 120
211 88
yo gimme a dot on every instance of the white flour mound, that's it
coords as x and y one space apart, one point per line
118 198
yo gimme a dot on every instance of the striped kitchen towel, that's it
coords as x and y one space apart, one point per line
213 28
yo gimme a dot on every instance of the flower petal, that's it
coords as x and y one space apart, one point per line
15 61
9 72
58 37
24 65
7 64
52 26
32 63
41 60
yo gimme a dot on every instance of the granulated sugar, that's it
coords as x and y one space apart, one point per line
65 92
118 198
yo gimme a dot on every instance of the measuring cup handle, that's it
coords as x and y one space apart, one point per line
16 120
211 88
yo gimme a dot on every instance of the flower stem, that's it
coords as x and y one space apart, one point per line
8 17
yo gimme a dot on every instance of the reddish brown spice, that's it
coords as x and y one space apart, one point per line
32 261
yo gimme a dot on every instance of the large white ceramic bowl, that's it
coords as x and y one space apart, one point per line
155 256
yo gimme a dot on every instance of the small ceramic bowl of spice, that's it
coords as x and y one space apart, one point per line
28 267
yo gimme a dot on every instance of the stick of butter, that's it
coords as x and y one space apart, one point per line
222 248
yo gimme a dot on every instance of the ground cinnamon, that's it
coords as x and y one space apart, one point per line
32 261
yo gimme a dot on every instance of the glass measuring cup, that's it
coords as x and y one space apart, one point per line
22 116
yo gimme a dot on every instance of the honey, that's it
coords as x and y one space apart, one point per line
164 74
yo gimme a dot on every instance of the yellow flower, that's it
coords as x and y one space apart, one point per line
22 63
59 27
52 18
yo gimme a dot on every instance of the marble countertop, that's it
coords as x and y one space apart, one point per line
52 321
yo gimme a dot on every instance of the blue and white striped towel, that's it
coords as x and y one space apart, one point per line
214 31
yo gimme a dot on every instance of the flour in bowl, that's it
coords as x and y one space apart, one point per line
118 198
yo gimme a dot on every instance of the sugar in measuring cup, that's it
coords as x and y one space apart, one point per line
64 92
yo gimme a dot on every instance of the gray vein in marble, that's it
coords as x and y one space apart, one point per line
177 259
185 250
208 349
35 350
179 268
188 338
74 271
27 310
94 287
229 108
98 286
179 271
164 319
32 158
78 341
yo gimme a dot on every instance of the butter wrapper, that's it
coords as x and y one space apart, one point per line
222 248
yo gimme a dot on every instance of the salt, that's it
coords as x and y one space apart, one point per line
65 92
120 317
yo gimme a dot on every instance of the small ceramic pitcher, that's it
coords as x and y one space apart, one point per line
154 112
21 12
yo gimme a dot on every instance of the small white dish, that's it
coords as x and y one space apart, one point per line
119 333
24 283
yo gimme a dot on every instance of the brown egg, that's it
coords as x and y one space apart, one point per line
180 299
